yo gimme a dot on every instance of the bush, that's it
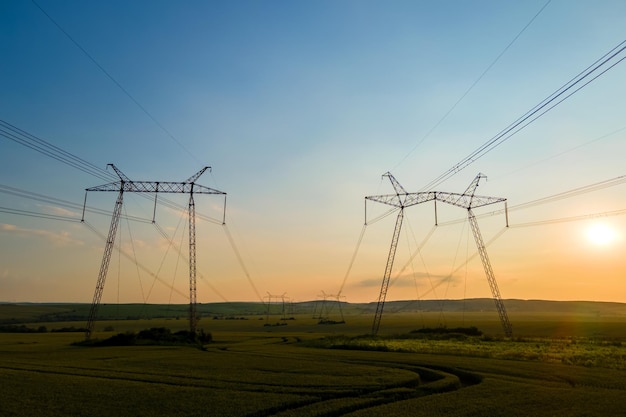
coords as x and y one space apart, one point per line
153 336
468 331
13 328
157 334
120 339
71 329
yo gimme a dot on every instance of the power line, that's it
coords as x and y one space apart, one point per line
471 87
572 193
584 78
240 260
565 151
571 218
5 189
551 198
172 244
117 83
27 213
17 135
134 261
46 148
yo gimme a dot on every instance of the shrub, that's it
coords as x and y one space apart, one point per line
13 328
70 329
153 336
120 339
468 331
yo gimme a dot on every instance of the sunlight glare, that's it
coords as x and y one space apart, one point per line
601 234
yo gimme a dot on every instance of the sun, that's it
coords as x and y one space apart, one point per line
601 234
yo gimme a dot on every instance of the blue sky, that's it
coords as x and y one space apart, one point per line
299 107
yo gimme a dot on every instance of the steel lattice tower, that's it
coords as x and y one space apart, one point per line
127 185
467 200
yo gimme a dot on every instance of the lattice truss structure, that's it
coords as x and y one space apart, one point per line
125 184
467 200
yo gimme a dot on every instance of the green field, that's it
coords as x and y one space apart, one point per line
557 364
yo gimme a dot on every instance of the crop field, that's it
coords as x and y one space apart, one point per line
556 366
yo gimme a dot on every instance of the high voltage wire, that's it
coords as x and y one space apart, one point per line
44 147
15 134
117 83
572 193
584 78
141 266
75 206
240 260
551 199
27 213
571 218
565 151
61 203
471 87
186 259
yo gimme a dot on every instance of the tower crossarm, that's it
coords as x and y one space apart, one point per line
405 199
467 201
156 187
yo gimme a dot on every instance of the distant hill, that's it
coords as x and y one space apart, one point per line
15 313
512 306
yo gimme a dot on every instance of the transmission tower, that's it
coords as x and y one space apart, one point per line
468 200
279 298
127 185
325 309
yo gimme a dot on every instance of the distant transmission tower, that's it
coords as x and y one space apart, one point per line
126 185
325 309
279 298
467 200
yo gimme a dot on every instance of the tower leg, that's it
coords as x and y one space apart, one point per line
193 314
385 285
504 318
104 267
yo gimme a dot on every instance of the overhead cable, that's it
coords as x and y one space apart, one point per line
240 260
587 216
5 189
27 213
44 147
549 199
110 77
471 87
584 78
129 257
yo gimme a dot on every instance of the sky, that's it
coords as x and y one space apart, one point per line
299 108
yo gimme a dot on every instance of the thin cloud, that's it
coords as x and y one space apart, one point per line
62 238
408 280
59 211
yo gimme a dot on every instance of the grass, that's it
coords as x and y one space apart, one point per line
252 371
609 354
